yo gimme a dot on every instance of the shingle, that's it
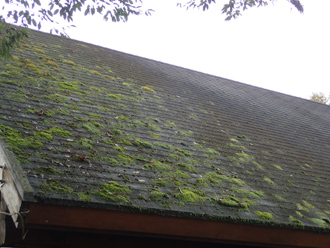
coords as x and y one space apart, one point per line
95 127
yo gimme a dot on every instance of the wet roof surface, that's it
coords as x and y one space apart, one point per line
96 127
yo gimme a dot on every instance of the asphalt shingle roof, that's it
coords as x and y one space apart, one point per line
95 127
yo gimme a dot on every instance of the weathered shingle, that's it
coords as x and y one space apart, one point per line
96 127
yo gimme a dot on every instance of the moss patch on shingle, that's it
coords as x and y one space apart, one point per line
264 215
189 196
113 191
56 187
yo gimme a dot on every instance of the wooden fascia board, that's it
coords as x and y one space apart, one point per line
99 220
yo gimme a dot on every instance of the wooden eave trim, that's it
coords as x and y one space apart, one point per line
99 220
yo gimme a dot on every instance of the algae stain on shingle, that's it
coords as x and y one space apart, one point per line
148 89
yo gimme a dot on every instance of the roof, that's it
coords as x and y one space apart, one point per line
94 127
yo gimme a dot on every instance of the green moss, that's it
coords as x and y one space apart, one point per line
300 207
95 116
115 96
48 170
49 113
119 149
69 62
299 214
166 204
56 187
56 98
291 182
164 145
125 159
237 181
92 127
258 193
128 84
125 142
140 123
155 135
85 196
96 73
182 174
243 157
212 151
258 165
116 132
308 204
320 222
174 156
277 166
9 81
231 201
124 118
57 131
186 166
38 50
160 181
268 180
41 135
201 182
215 177
280 197
16 141
156 164
153 127
189 196
113 191
264 215
184 153
145 88
107 141
111 161
294 220
185 133
86 143
86 101
146 144
170 124
67 85
199 146
156 194
103 108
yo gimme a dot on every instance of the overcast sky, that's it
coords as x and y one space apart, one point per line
272 47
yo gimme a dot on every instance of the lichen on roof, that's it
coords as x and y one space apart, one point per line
101 127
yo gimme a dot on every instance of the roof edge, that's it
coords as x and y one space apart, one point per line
70 218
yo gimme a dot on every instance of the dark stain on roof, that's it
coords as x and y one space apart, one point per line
95 127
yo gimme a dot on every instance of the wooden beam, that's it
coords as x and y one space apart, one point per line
10 194
3 208
100 220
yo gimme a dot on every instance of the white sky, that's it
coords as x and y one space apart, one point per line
273 47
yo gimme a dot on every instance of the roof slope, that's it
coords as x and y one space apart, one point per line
96 127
